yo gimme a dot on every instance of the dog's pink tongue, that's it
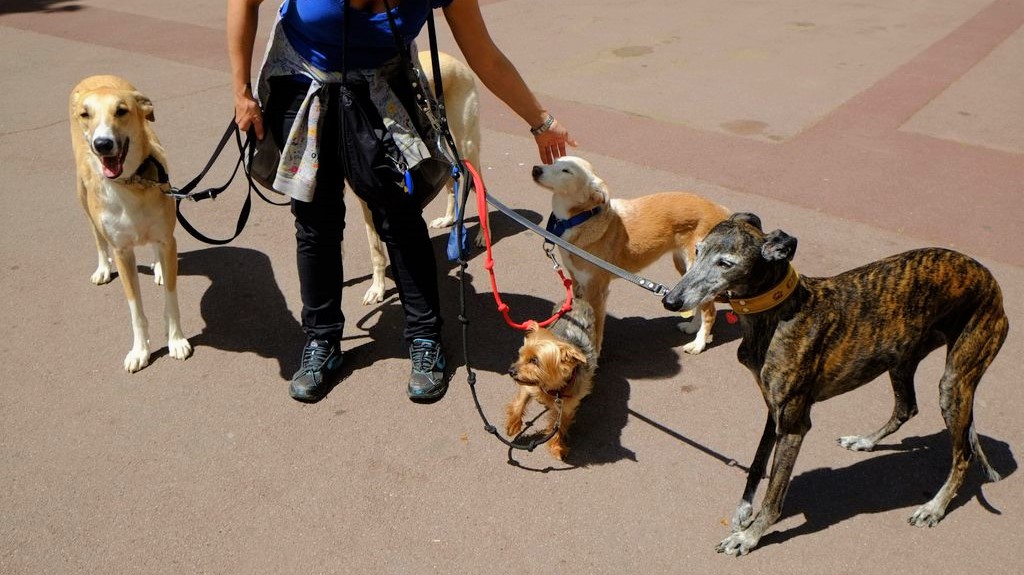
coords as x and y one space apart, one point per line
112 166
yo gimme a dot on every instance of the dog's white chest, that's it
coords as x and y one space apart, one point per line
128 218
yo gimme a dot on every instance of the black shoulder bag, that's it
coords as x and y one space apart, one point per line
374 165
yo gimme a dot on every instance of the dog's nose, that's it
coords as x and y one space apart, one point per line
512 370
537 171
103 145
671 302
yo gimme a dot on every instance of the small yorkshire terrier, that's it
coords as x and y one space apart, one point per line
555 363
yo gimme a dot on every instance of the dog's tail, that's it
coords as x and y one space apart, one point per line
986 467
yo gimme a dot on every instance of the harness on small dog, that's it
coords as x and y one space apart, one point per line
558 395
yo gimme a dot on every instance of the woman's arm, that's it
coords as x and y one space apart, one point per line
502 79
242 21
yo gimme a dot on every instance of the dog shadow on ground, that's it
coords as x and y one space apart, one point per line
12 6
892 477
243 309
626 357
596 436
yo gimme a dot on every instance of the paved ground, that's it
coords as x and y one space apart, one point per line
861 128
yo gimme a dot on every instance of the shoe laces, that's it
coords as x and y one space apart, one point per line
315 354
424 355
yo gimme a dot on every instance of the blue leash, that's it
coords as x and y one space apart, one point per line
457 236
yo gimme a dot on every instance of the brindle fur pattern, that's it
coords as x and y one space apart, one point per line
835 334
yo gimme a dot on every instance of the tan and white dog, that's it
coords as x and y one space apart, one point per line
629 233
462 107
122 180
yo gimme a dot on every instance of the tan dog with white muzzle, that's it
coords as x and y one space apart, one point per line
122 183
629 233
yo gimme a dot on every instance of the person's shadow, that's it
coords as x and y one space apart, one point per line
893 476
243 309
596 434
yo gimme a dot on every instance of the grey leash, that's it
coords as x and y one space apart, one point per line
653 287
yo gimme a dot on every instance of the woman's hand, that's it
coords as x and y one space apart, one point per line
502 79
552 140
242 21
248 114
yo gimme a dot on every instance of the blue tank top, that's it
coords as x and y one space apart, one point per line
315 28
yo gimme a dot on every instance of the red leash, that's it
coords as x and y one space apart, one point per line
481 206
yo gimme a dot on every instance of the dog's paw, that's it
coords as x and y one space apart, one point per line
102 275
742 517
481 240
698 345
513 425
856 443
737 544
136 359
375 294
443 222
179 348
557 448
927 515
158 274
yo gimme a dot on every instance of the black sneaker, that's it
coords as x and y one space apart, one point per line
320 359
427 381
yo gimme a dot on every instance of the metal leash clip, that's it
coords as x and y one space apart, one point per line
549 249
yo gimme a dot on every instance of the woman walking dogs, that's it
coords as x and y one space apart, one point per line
322 55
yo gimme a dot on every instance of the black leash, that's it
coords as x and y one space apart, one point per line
436 113
187 192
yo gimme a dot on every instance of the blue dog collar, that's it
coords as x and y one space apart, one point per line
558 226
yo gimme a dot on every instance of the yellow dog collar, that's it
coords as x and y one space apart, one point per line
769 299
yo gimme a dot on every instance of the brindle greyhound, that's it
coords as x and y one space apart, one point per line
810 339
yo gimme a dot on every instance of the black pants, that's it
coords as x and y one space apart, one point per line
320 225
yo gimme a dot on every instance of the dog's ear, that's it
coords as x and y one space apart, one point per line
570 354
747 218
531 327
598 190
145 104
778 245
76 100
